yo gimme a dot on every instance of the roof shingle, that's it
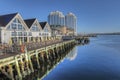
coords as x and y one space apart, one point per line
5 19
43 24
29 22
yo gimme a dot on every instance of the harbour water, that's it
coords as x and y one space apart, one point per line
99 60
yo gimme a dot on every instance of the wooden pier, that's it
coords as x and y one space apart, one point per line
17 66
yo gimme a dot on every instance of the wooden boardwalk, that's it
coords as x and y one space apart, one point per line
15 50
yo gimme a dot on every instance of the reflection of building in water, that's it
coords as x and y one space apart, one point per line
72 54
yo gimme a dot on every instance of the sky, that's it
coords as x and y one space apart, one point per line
93 16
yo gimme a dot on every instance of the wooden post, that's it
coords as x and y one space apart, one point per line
11 72
36 52
31 65
18 68
7 73
63 48
53 53
22 66
47 55
27 62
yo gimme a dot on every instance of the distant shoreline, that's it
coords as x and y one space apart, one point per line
108 34
104 34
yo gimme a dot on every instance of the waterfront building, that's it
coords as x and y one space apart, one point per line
71 21
15 30
12 27
62 31
35 29
59 31
46 30
56 18
69 31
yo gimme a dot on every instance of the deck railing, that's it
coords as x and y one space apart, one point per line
16 48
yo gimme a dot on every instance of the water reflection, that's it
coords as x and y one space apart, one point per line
93 62
72 54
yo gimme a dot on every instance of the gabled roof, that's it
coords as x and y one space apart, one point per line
29 22
43 24
5 19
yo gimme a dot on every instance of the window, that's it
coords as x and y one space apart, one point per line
16 24
35 28
13 26
40 34
19 33
30 34
20 27
8 28
43 34
18 21
25 33
15 20
14 34
46 30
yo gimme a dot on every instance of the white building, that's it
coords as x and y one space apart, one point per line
56 18
46 30
71 21
12 26
35 29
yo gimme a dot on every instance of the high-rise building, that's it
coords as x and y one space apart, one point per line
56 18
70 21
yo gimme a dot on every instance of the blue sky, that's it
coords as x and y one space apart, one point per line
92 15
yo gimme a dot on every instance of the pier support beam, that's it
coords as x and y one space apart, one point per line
30 62
10 70
18 69
38 63
22 66
27 63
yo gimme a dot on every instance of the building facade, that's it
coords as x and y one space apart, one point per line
71 21
35 29
56 18
46 30
14 28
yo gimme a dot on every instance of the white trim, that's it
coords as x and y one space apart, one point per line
20 19
38 25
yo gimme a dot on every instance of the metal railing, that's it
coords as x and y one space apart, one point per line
16 48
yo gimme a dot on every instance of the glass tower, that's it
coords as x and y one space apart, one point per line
56 18
71 21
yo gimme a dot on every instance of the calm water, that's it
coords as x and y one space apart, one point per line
99 60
